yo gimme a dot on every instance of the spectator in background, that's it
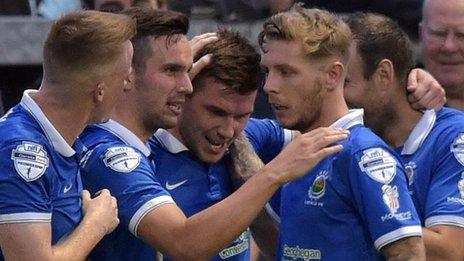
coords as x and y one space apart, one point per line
442 36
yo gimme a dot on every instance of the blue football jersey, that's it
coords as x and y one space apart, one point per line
116 159
434 158
39 178
350 205
195 185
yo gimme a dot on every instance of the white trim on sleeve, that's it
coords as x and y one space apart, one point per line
397 234
145 209
445 220
270 211
26 217
288 136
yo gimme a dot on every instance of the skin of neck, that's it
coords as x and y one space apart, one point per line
333 107
130 114
404 118
69 115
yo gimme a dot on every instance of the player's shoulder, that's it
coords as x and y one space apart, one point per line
362 138
448 129
448 118
255 124
18 125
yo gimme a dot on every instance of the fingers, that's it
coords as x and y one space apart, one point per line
329 151
85 196
198 42
199 65
412 80
324 131
433 98
329 139
104 192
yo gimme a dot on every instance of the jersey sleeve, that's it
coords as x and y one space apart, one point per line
445 198
130 177
267 137
381 195
25 183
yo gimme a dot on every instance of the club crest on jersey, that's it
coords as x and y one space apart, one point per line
390 197
30 160
122 159
457 148
378 164
317 189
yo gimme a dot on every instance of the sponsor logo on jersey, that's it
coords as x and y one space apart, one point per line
410 171
378 164
399 216
122 159
457 148
241 244
301 253
30 160
390 197
175 185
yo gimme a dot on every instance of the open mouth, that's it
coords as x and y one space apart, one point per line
175 107
278 107
215 145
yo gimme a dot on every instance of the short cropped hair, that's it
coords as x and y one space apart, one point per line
82 43
235 63
152 24
323 34
379 37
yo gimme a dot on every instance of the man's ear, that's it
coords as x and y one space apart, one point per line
335 75
130 81
384 75
99 92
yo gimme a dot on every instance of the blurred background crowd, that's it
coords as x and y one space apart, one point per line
14 78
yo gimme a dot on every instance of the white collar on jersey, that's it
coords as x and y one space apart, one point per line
354 117
125 135
419 133
169 142
55 138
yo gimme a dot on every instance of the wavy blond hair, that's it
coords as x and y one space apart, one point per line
323 34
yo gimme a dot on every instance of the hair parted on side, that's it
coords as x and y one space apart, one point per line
235 63
83 42
152 24
378 37
322 34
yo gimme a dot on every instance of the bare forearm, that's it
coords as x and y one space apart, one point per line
265 233
409 248
213 229
79 243
440 247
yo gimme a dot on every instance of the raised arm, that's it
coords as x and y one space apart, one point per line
206 233
244 164
425 92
